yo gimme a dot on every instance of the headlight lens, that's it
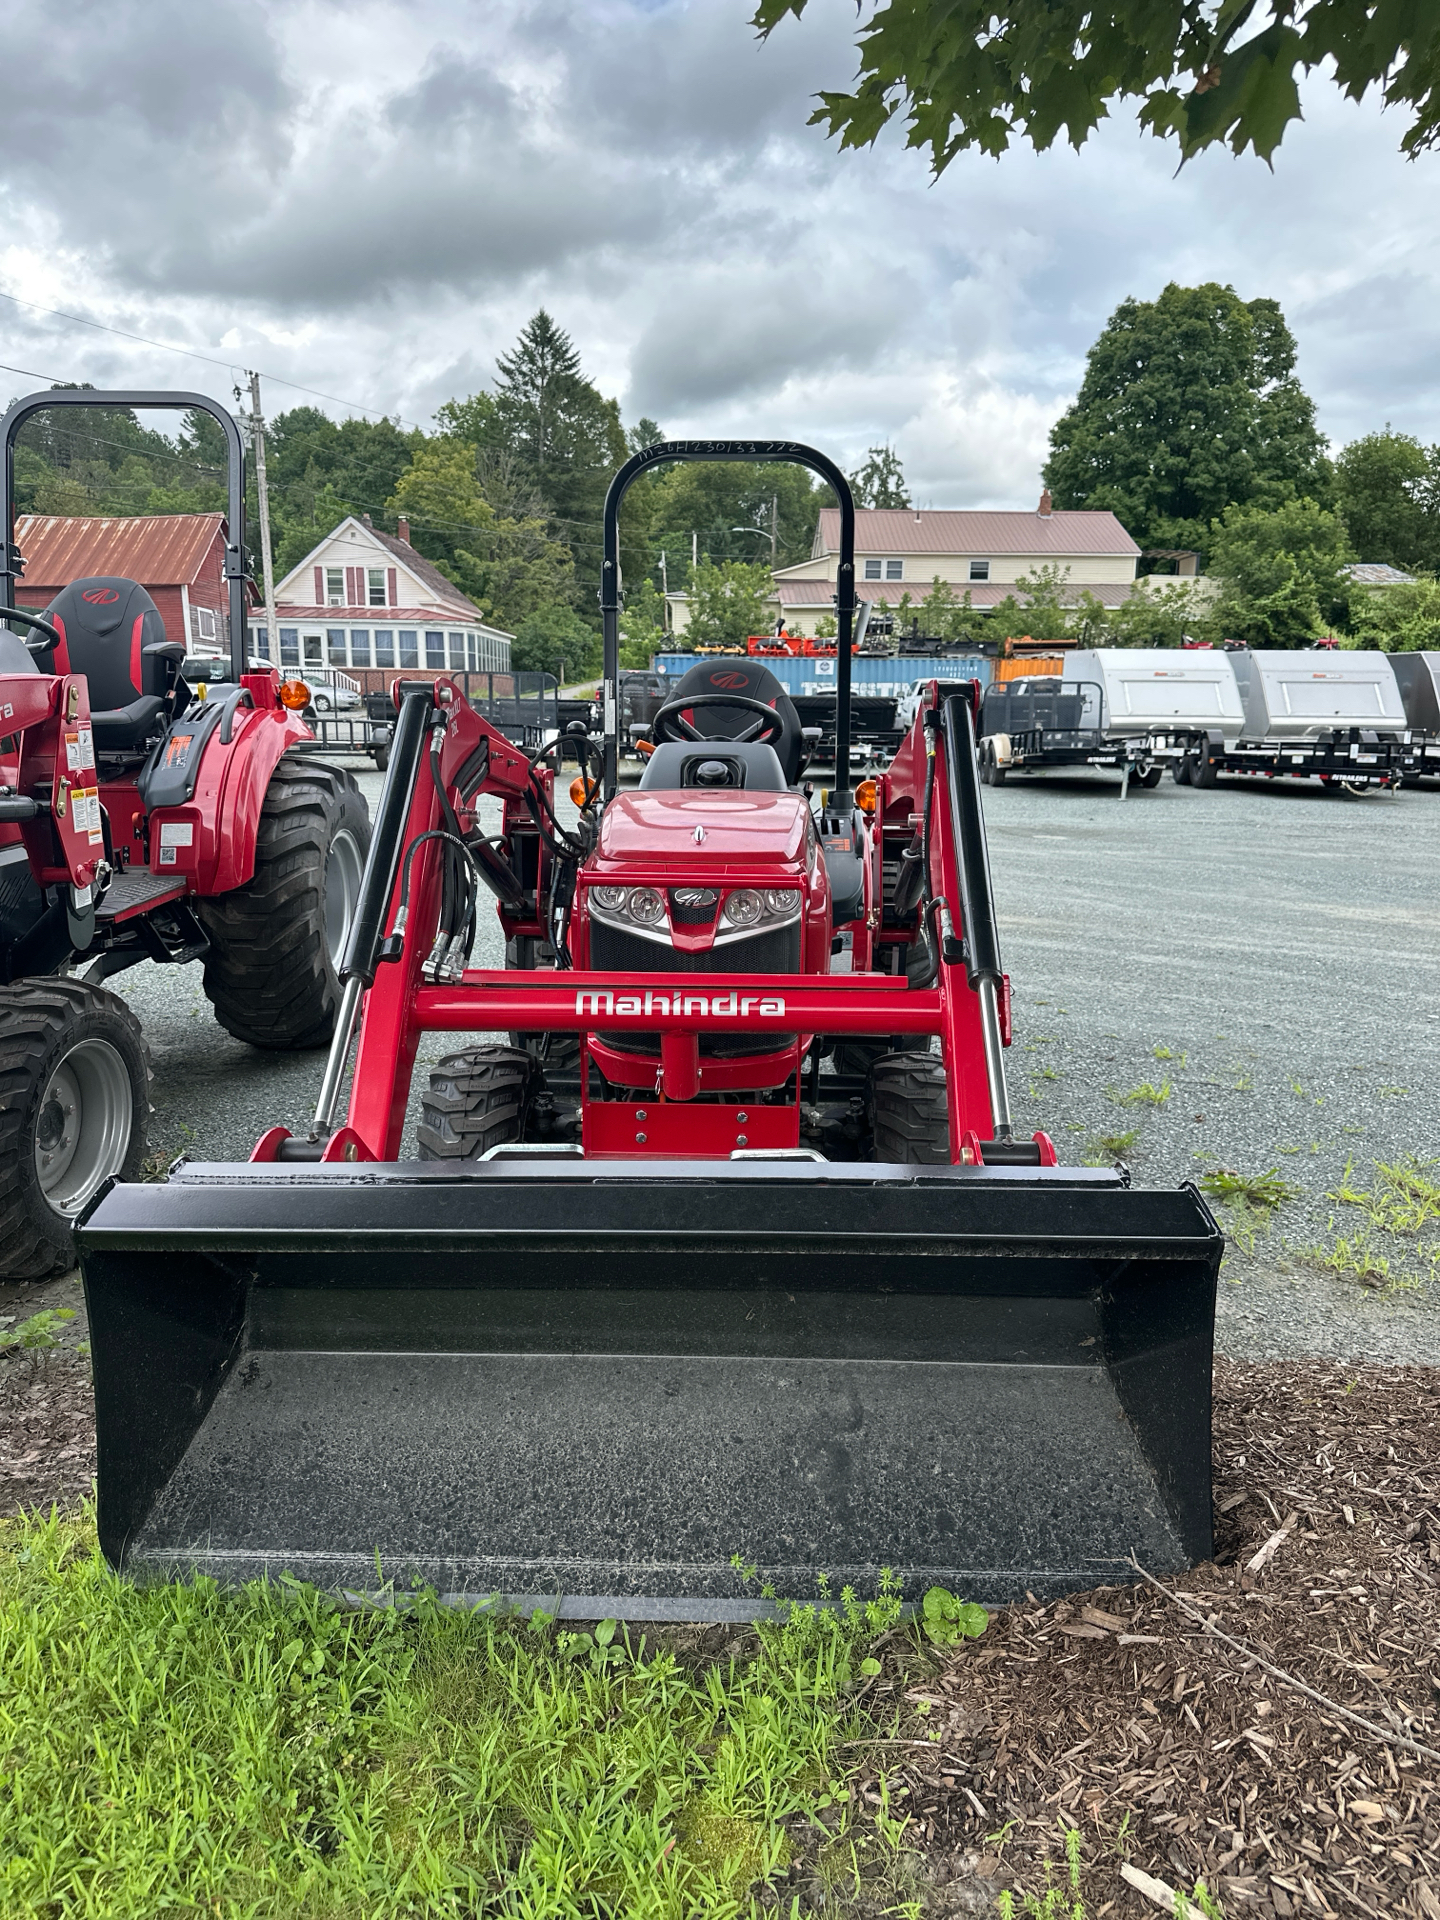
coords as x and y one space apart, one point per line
784 901
609 899
647 906
744 907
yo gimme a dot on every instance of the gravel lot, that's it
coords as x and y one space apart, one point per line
1283 945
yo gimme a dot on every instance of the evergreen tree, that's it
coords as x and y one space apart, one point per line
1189 405
880 481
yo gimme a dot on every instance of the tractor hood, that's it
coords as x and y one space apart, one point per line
688 832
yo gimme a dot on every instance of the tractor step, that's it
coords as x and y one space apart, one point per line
593 1383
136 890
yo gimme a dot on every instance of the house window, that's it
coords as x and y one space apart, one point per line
409 647
470 646
872 570
384 647
457 653
312 646
378 596
289 646
359 646
334 586
259 643
884 569
335 646
435 650
894 569
979 569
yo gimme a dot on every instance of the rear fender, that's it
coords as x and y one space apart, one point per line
224 811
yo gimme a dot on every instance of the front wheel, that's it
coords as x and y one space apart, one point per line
275 943
477 1100
908 1110
74 1099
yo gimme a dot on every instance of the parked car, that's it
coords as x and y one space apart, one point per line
908 705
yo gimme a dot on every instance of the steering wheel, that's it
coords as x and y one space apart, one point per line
51 636
670 723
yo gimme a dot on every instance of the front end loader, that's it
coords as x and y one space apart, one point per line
718 1240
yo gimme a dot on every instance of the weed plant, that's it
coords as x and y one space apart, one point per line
265 1752
36 1338
1111 1148
1247 1200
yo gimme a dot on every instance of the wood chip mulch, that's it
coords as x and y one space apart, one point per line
47 1432
1117 1715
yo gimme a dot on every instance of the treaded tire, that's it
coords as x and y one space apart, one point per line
857 1053
477 1100
270 974
41 1021
909 1118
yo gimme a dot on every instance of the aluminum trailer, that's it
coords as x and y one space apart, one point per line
1315 712
1418 677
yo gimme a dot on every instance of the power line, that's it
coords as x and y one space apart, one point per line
30 374
166 346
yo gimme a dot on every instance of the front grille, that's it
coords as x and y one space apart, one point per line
776 950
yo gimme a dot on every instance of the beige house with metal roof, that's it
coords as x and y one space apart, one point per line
903 550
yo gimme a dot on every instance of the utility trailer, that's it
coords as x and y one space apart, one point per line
1418 677
1310 712
719 1305
874 735
1036 721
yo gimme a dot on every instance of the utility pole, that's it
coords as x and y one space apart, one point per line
774 531
664 594
694 551
257 424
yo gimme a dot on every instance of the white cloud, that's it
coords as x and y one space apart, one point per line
369 200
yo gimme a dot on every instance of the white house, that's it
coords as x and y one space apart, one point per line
903 550
365 599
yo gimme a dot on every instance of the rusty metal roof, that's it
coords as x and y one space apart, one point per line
158 550
1064 534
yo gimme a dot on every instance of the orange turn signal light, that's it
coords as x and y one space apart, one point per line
294 694
866 795
582 791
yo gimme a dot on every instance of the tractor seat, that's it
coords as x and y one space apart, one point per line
752 680
112 632
719 767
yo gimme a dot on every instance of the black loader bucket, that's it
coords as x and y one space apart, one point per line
593 1384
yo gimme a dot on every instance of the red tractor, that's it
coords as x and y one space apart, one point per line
732 1253
138 822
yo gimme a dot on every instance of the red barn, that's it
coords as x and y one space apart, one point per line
178 557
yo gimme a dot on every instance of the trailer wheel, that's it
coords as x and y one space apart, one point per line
992 774
1150 777
1203 771
275 943
477 1100
1182 771
909 1117
74 1099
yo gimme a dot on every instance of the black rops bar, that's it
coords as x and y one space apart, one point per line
382 863
972 855
610 595
12 564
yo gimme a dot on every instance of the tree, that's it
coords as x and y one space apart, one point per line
1280 574
728 602
554 639
642 625
712 498
1386 487
880 482
968 73
1158 614
1047 610
1397 619
567 436
941 616
1189 405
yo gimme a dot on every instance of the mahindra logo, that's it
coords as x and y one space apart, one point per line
717 1006
100 596
732 682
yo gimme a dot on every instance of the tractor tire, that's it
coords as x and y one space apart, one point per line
857 1053
74 1101
275 943
907 1110
477 1100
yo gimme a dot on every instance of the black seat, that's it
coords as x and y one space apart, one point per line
112 632
752 680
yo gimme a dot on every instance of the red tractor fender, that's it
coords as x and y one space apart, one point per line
224 811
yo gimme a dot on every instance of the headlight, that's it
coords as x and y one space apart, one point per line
744 908
647 906
784 901
610 899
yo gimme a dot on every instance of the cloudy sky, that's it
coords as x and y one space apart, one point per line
369 199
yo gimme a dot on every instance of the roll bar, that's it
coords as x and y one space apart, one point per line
610 590
12 564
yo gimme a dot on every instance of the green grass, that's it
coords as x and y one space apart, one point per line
1111 1148
1145 1095
1248 1200
1404 1199
262 1752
